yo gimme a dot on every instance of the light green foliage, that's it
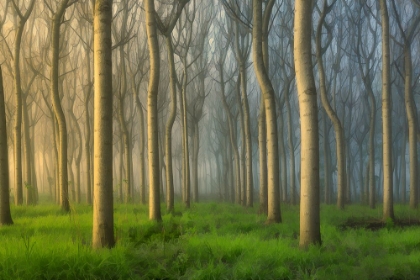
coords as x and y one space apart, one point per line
208 241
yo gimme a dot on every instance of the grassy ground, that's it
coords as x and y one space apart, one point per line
210 241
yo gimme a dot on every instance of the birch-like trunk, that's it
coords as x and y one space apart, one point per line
309 198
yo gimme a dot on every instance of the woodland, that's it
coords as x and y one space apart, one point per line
220 139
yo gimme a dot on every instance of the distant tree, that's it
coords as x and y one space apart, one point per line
103 217
410 105
309 190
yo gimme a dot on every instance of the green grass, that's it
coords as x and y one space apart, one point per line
209 241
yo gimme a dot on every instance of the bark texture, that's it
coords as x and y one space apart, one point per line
103 217
309 197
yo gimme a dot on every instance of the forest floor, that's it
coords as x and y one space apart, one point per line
210 241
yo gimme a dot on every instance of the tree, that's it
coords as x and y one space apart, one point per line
274 214
58 110
23 18
410 105
103 217
5 216
152 112
309 194
339 133
388 210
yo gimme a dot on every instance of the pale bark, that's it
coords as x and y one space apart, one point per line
152 112
309 201
5 216
274 214
103 217
388 205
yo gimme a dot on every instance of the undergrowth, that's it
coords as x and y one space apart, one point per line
208 241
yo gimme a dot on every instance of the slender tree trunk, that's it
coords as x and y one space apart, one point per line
242 151
309 201
339 133
5 216
403 187
262 143
412 126
18 116
29 186
168 130
327 162
58 110
290 133
142 171
124 131
274 214
388 204
196 148
152 112
283 168
88 133
103 217
371 174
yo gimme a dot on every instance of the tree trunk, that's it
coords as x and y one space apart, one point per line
168 131
403 187
196 148
309 201
412 126
274 214
29 186
339 134
58 110
152 112
18 116
126 181
388 205
283 168
142 172
290 133
103 217
262 143
5 216
88 133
